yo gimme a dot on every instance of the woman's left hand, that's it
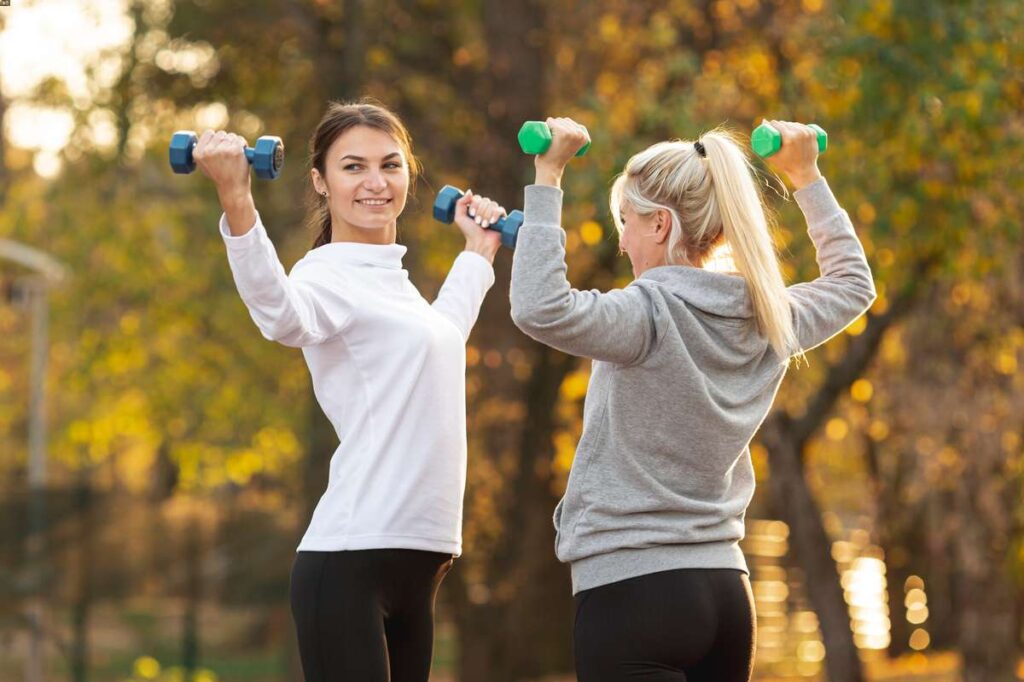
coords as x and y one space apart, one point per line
567 138
473 214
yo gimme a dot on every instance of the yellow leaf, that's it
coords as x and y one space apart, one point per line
146 667
836 429
591 233
862 390
574 386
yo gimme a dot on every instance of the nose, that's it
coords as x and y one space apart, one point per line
375 181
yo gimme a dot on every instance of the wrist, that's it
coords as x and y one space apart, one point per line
805 177
482 248
233 199
549 175
240 212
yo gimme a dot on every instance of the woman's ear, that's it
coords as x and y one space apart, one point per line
662 225
318 183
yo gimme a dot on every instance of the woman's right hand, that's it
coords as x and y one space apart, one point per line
221 157
567 138
798 156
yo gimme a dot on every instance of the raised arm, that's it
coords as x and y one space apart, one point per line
472 273
617 326
298 311
825 306
464 289
305 309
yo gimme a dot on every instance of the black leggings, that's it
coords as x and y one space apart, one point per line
687 625
366 615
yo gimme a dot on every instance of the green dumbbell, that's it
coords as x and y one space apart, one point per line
766 140
535 138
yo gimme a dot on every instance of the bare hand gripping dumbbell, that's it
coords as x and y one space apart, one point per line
766 140
506 225
266 158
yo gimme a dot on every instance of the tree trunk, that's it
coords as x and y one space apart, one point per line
899 533
811 548
83 598
984 501
4 173
524 631
193 596
785 438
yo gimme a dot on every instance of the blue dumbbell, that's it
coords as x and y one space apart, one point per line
444 211
267 157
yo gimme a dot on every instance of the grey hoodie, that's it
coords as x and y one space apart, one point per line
680 383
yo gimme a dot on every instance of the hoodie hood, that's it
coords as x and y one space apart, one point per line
717 294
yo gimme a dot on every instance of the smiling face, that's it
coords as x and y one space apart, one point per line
366 177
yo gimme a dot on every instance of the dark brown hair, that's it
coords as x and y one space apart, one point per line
340 117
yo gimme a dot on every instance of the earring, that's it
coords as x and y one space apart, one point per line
325 194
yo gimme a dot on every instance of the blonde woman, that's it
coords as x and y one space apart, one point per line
687 362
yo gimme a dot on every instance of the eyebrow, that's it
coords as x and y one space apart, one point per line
359 158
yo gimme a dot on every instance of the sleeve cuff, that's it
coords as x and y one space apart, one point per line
542 205
817 202
243 242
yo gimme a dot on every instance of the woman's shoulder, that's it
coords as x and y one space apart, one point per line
317 264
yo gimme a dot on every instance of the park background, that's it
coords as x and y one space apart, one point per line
159 458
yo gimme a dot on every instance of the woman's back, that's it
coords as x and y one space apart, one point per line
663 458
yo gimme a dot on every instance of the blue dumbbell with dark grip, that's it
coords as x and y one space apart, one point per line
267 157
444 211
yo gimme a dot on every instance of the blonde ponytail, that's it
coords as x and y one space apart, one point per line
709 191
746 231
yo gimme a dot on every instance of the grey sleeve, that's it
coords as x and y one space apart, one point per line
845 290
616 326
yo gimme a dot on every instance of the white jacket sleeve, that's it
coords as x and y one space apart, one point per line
464 289
302 309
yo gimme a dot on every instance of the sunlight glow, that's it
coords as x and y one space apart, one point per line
59 38
62 40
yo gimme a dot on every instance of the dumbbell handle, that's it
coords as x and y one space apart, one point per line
766 140
250 154
182 160
507 226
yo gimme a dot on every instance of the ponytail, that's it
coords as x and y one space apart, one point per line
707 188
746 230
321 221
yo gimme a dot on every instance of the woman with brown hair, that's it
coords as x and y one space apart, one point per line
388 370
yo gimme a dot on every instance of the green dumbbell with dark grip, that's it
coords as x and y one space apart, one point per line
267 157
535 138
766 140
